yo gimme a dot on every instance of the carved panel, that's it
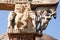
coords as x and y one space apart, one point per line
22 36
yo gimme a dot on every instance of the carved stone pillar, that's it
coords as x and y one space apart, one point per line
17 33
49 9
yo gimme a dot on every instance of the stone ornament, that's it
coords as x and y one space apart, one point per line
43 17
24 17
37 17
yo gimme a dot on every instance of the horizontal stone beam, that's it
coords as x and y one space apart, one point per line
5 6
11 6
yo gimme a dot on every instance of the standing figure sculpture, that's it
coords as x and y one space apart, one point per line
11 19
43 19
31 19
38 19
46 19
24 16
20 20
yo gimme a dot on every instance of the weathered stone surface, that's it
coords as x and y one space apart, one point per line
21 31
4 37
21 36
4 6
10 5
44 1
45 37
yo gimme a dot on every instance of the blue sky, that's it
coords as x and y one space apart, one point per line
53 28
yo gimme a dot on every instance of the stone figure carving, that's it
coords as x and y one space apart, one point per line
39 13
44 16
45 21
11 18
23 17
38 17
47 18
31 19
20 17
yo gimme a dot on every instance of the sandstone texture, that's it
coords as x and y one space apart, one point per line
45 37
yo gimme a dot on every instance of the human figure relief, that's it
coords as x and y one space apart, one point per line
38 21
48 14
38 16
31 16
46 19
31 19
20 17
11 21
23 16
